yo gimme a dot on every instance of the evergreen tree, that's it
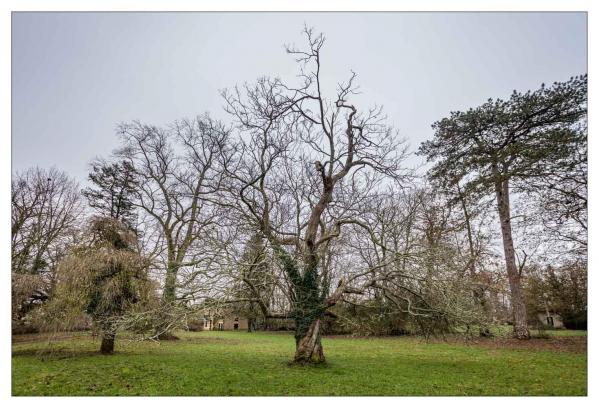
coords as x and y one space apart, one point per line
506 145
105 276
113 191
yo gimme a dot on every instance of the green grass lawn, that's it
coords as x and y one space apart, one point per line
239 363
506 330
561 333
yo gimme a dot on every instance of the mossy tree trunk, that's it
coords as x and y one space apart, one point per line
308 311
168 293
162 330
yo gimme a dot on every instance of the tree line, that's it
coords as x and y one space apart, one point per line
303 207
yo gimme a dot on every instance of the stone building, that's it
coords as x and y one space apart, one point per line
228 321
551 320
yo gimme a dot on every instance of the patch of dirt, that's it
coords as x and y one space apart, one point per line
571 344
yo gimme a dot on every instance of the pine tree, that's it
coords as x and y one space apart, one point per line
503 146
113 191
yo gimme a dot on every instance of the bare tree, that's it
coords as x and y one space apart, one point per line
304 162
45 206
416 263
178 170
559 199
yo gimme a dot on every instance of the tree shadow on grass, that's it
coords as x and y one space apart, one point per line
61 353
323 365
57 353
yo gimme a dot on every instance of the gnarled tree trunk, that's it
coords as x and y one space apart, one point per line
308 306
308 349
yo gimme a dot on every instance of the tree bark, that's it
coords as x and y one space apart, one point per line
170 281
168 299
516 296
309 348
107 346
479 292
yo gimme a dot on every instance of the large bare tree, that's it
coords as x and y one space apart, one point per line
304 163
178 169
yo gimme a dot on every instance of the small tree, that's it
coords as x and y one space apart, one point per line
105 277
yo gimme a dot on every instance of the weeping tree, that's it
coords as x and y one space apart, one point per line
507 146
104 277
415 254
305 160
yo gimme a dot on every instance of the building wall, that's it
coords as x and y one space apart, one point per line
557 320
230 322
227 323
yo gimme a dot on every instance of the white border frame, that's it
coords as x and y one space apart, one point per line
8 6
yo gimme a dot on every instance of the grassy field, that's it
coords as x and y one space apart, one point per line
238 363
506 330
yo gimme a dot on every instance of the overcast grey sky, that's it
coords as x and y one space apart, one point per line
76 75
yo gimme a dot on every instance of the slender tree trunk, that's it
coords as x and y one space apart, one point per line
516 299
479 292
107 346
